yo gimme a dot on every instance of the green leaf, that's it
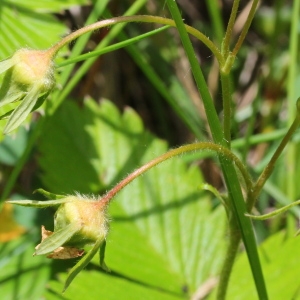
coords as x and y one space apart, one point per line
57 239
22 276
164 233
46 5
11 148
25 24
99 285
280 260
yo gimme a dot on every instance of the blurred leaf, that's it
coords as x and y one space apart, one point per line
164 234
22 24
46 5
22 276
12 147
280 262
9 228
97 285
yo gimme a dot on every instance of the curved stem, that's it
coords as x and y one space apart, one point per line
273 213
138 18
270 166
245 28
226 41
222 151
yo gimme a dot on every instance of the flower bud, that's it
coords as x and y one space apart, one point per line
79 221
29 76
32 67
86 213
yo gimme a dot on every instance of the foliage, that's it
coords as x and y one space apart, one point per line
168 237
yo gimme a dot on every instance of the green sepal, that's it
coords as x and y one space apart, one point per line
49 195
19 96
23 110
57 239
82 263
6 115
40 101
41 204
102 257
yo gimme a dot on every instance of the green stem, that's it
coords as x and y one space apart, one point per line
220 150
228 34
270 166
275 212
245 28
111 48
214 10
291 155
237 204
138 18
226 95
232 248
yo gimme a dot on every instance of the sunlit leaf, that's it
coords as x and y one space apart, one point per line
25 24
280 262
164 232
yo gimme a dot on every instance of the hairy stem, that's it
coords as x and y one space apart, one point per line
245 28
138 18
270 166
227 38
226 95
220 150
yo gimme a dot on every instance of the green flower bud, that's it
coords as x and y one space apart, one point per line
78 222
29 75
87 214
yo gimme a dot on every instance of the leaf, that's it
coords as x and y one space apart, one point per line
22 276
99 285
9 228
280 262
47 6
11 148
25 24
164 233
